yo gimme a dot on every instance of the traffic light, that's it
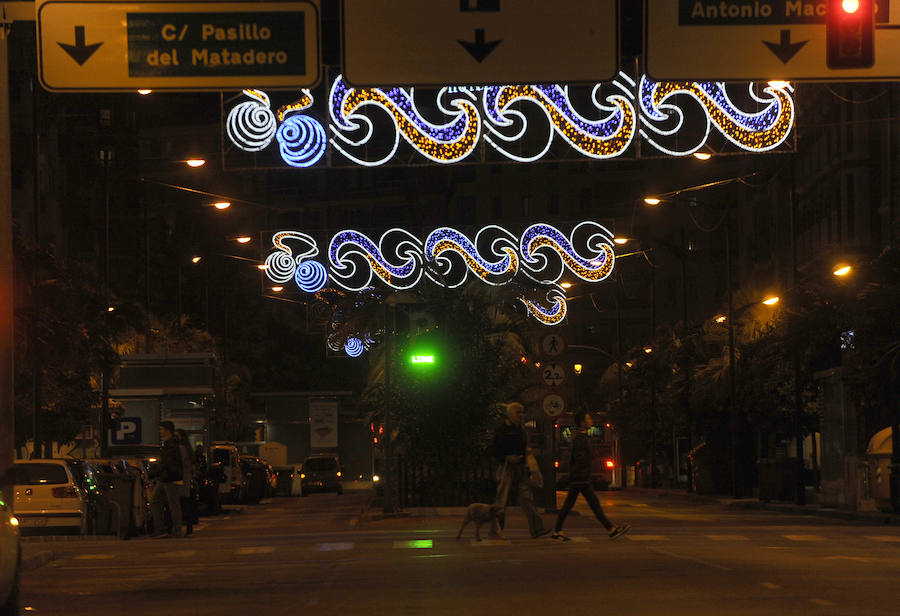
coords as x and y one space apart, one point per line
850 34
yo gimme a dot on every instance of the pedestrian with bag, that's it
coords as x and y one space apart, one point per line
510 445
166 472
580 481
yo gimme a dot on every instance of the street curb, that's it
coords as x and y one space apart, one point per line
872 518
36 561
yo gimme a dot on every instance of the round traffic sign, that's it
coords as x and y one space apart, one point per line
553 373
553 345
553 405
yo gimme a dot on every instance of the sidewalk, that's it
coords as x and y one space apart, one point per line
862 517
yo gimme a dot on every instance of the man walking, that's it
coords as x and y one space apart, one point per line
509 450
580 481
167 471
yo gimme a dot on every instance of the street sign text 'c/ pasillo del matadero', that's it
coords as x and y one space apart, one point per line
115 46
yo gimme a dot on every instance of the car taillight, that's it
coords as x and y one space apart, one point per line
65 492
610 464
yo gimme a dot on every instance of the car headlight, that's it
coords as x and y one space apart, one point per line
302 475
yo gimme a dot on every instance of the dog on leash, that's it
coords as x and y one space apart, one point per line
480 513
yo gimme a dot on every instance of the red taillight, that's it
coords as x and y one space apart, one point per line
65 492
610 464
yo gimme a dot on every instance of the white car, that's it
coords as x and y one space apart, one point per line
48 495
10 561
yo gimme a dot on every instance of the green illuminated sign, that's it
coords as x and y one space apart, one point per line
423 359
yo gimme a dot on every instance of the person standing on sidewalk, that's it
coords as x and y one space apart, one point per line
167 471
510 444
188 490
580 481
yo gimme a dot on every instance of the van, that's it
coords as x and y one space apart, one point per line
321 473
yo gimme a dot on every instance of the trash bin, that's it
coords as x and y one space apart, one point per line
119 490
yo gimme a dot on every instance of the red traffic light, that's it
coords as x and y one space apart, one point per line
850 34
610 464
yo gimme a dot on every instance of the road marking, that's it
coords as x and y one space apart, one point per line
262 549
579 540
728 537
804 537
884 538
335 547
415 544
859 559
647 537
180 553
95 556
822 602
699 561
490 542
770 585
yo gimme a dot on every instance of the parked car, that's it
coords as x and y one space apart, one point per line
257 478
234 485
48 495
321 473
10 560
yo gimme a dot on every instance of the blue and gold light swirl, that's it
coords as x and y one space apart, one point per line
754 132
543 236
441 143
555 314
251 125
345 244
281 265
604 138
311 276
447 239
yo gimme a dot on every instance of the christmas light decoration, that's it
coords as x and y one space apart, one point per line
757 132
503 115
398 259
251 124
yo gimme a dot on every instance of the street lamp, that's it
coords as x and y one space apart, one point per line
578 368
842 270
242 239
195 162
222 205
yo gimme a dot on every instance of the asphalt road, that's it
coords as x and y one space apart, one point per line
315 556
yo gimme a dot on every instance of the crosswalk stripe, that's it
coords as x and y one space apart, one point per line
822 602
335 547
884 538
262 549
414 544
180 553
770 585
580 539
490 542
647 537
859 559
804 537
94 556
728 537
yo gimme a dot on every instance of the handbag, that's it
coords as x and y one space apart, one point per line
535 478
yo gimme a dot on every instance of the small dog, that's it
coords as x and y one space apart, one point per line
481 513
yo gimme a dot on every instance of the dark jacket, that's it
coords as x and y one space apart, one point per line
509 440
168 468
580 460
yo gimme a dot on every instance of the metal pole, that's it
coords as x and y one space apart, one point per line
621 453
389 327
688 368
732 387
7 418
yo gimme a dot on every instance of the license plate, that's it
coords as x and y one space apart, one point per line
33 522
